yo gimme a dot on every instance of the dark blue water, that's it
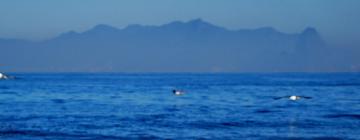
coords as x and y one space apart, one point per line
214 106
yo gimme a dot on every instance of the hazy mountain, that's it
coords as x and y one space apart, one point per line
194 46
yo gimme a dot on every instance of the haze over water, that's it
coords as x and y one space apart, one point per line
180 36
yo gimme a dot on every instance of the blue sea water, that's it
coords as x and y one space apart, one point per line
214 106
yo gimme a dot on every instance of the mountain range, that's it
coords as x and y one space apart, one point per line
193 46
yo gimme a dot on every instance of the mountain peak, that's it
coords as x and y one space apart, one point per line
310 37
309 31
192 25
197 21
104 27
68 34
202 25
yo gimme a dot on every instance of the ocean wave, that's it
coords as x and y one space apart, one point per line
348 116
49 134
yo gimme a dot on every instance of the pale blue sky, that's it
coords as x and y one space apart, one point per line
338 21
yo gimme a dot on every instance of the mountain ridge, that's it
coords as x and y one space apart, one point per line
189 25
192 46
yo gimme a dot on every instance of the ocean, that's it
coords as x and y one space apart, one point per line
213 106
